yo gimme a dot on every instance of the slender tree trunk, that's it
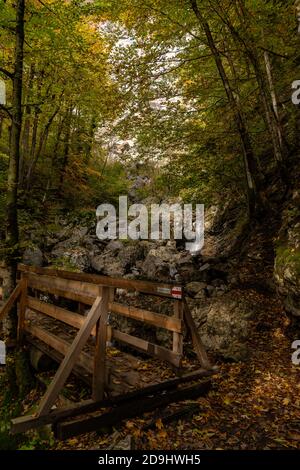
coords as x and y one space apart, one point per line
251 51
251 168
274 99
91 136
26 129
36 119
12 231
66 148
42 144
34 134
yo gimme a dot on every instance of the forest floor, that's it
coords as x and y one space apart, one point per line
254 405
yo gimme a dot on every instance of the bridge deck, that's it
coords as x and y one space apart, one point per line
125 372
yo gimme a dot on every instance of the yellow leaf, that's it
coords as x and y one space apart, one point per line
129 425
73 442
162 434
286 401
159 424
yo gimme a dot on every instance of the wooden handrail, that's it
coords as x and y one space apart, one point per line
154 288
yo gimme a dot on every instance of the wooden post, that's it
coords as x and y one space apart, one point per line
99 376
81 308
112 291
197 342
23 306
178 337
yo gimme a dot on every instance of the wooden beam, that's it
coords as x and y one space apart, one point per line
59 345
57 356
148 348
76 320
25 423
64 430
162 290
197 342
23 305
47 284
66 316
99 374
67 365
11 301
152 318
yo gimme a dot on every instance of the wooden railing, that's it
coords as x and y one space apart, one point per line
84 288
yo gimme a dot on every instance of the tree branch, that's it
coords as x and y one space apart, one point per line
7 73
6 110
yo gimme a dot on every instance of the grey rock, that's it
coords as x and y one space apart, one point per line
224 324
204 267
33 256
114 245
193 288
161 262
78 258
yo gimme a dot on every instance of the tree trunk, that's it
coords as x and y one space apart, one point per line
274 99
66 148
42 144
12 230
26 129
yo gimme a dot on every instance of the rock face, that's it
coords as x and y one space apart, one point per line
287 262
224 325
225 228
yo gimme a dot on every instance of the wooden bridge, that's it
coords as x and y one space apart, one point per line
80 341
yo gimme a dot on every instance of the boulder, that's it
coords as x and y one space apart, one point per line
224 324
33 256
78 258
164 263
194 288
119 259
107 264
114 246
